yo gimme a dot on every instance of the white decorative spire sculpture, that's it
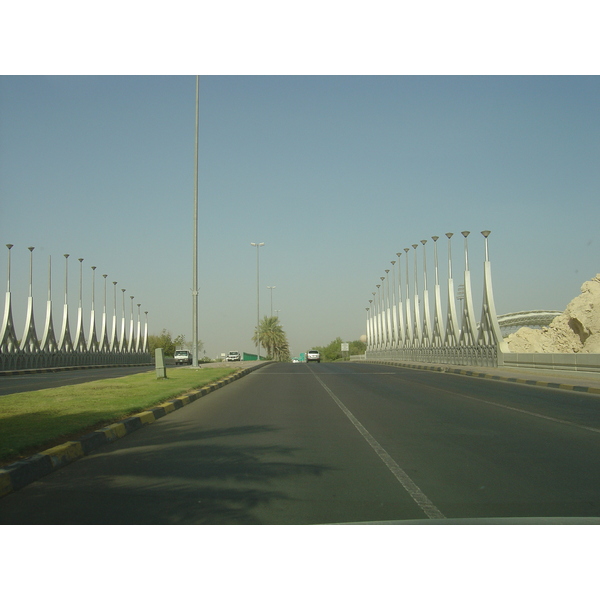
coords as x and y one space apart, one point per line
29 341
8 337
49 343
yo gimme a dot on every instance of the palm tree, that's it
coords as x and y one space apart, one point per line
272 338
282 352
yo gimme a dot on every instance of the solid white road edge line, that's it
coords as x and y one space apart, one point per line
422 501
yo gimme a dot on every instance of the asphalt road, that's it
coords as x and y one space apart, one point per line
338 443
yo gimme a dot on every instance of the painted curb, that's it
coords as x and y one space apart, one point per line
17 475
550 384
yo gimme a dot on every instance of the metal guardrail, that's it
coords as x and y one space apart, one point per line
584 363
589 363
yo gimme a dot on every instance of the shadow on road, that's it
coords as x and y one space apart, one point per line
198 476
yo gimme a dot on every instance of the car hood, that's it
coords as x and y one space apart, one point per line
488 521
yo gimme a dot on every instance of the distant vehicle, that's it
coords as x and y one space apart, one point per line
313 355
233 356
183 357
295 360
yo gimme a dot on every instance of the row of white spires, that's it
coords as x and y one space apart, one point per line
131 341
392 323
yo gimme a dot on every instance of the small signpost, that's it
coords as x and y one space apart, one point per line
345 349
161 369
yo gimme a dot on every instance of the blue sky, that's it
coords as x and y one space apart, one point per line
334 174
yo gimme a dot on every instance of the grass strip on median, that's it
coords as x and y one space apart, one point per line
32 421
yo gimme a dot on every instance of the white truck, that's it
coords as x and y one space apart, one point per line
233 355
183 357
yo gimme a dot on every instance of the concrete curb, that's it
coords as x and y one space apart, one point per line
23 472
551 384
471 373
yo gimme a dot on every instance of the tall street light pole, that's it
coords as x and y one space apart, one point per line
195 257
258 245
271 287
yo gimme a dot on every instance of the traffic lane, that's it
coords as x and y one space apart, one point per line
14 384
582 408
270 448
577 407
510 463
472 457
362 484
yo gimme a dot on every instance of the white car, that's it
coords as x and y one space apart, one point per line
233 356
312 356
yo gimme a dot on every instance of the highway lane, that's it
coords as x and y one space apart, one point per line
13 384
342 442
481 448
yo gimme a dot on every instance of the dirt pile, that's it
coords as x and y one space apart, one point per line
576 330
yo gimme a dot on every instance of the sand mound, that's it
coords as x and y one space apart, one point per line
576 330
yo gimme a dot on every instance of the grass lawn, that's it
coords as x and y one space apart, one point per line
34 421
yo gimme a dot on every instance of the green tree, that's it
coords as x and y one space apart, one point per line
333 350
272 338
357 347
167 343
